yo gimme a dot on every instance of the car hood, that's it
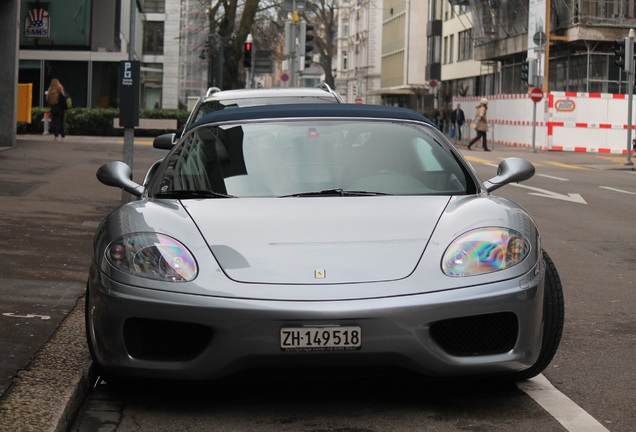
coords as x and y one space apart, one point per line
324 240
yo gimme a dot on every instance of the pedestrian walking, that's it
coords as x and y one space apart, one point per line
56 98
481 124
440 118
457 119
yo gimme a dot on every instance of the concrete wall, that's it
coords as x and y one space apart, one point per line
9 40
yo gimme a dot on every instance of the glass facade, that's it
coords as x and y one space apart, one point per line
62 39
59 24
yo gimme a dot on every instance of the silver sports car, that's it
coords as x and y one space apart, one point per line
295 236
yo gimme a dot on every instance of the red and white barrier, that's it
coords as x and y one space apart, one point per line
566 121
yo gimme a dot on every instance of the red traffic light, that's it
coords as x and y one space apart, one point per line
247 55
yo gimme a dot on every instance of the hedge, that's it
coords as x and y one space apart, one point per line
99 121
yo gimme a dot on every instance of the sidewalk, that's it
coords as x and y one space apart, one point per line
51 206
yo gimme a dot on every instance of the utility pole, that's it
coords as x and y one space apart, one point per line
629 64
292 43
129 129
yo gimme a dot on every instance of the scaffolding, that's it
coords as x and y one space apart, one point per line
502 19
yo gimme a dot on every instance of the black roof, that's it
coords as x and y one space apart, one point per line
311 110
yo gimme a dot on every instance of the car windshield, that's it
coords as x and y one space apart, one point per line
311 158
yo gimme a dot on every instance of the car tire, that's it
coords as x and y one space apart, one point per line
553 318
90 340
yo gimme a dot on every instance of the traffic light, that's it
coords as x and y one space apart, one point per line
247 54
306 48
525 71
620 53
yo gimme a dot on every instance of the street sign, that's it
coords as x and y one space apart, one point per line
536 94
129 85
263 63
284 77
288 5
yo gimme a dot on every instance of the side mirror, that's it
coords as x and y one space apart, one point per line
510 170
165 141
119 174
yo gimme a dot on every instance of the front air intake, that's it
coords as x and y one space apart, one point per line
477 335
159 340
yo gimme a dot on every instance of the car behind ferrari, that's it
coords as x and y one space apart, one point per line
294 236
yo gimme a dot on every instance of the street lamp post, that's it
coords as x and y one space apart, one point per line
629 60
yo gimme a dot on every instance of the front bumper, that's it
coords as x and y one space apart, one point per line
488 329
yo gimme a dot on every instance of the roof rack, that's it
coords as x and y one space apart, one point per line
212 90
324 86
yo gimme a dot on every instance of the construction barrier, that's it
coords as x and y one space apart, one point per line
565 121
25 100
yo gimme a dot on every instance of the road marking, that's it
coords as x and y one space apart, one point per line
552 177
617 190
10 314
477 159
575 198
563 409
137 141
537 174
566 165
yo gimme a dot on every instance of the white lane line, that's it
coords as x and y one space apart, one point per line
575 198
537 174
570 415
617 190
552 177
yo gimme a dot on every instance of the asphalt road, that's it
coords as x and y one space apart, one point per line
586 219
51 204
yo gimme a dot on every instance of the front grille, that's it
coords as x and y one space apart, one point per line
477 335
159 340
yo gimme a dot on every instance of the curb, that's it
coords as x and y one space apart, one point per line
47 395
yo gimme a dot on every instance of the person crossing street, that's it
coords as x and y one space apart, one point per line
481 125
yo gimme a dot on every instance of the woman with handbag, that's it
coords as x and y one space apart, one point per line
56 98
480 124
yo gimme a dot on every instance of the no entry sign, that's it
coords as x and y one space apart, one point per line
536 94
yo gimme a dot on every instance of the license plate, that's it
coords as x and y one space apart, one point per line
320 338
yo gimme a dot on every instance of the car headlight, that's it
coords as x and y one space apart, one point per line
484 250
152 256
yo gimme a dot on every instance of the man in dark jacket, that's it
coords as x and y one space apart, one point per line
457 119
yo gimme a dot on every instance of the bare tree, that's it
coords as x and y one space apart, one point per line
232 33
323 14
419 91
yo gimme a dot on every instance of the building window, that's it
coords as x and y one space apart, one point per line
345 28
153 37
434 49
345 60
451 49
154 6
445 61
435 10
465 45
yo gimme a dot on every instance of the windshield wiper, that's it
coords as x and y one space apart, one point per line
192 194
334 192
